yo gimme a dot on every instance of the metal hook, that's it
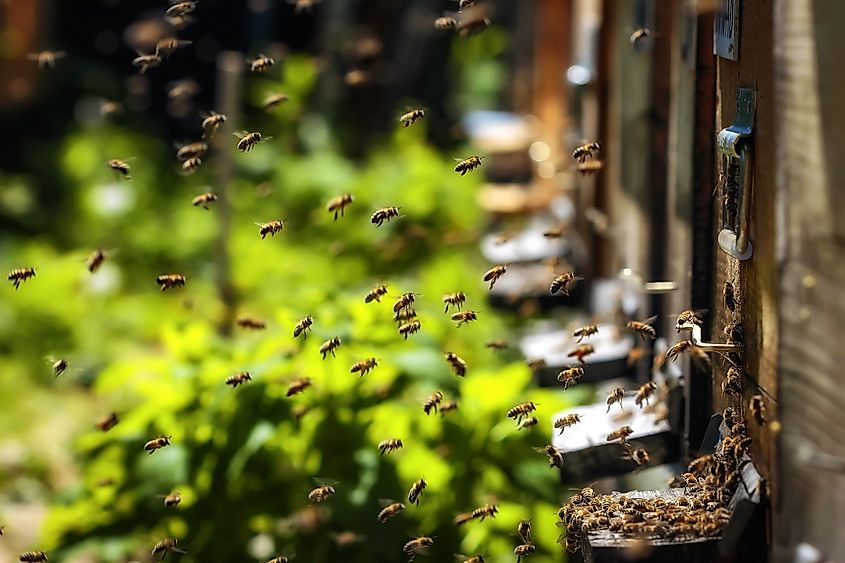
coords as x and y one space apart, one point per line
707 346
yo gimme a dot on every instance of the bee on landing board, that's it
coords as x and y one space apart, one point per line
581 352
156 444
644 328
270 228
204 200
20 275
303 326
615 396
416 491
169 281
211 122
384 214
562 282
375 294
390 508
338 204
46 59
261 63
493 274
585 151
238 379
458 365
329 346
468 164
364 366
412 116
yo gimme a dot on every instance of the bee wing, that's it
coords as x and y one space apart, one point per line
458 159
325 482
240 134
650 320
386 502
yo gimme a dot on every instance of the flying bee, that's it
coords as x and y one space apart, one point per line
321 493
464 4
416 491
417 546
409 328
497 345
448 406
581 352
303 326
169 281
181 8
536 365
95 260
615 397
390 509
172 499
191 150
121 167
364 366
480 513
251 324
523 529
690 316
270 228
432 403
298 386
156 444
384 214
59 365
645 391
338 204
403 316
281 559
459 366
261 63
33 556
161 548
468 164
472 26
757 408
637 455
387 446
146 62
20 275
570 376
167 46
412 116
445 22
247 140
46 59
273 100
562 282
678 349
375 294
457 299
524 550
238 379
404 302
620 433
190 166
555 457
107 422
473 559
585 332
644 328
183 89
565 422
204 200
527 423
493 274
329 346
585 151
211 122
522 410
638 36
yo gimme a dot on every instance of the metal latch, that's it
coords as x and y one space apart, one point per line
735 144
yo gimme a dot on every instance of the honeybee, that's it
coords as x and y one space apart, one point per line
562 282
321 493
448 406
262 63
180 9
527 423
468 164
165 47
690 317
375 294
157 444
523 551
729 297
570 376
585 332
620 433
473 559
329 346
471 26
637 455
211 122
238 379
464 317
412 116
303 326
190 166
121 167
270 228
169 281
615 397
536 365
172 499
146 62
457 299
389 510
480 513
338 204
107 422
20 275
387 446
445 22
644 328
384 214
364 366
274 100
417 546
589 167
298 386
183 89
523 529
403 316
191 150
247 140
251 324
33 556
464 4
179 22
639 35
497 345
95 260
408 328
432 403
521 410
459 366
493 274
281 559
565 422
732 384
46 59
678 349
645 391
161 548
203 200
416 491
757 408
585 151
404 302
581 352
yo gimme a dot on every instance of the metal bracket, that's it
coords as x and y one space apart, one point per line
707 346
734 143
